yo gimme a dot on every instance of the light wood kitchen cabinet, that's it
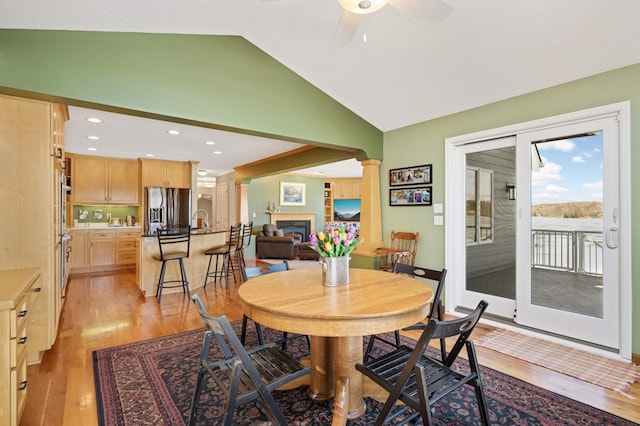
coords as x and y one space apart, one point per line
101 180
19 290
102 248
127 246
32 135
346 189
171 174
78 257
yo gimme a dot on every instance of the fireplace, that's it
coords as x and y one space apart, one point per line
302 227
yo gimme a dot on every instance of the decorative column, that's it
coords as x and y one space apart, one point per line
370 214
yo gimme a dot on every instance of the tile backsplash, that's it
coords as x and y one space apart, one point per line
85 214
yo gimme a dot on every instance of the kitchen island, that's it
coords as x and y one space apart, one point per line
195 264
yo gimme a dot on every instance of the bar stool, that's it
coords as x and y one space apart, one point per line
244 241
172 244
225 251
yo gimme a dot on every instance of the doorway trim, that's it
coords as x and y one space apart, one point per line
454 202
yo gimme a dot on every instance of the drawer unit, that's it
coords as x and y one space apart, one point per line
20 386
102 235
127 242
16 286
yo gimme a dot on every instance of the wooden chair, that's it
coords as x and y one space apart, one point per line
436 311
341 402
420 381
256 271
173 244
403 249
242 375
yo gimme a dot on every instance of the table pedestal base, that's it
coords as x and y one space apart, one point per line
334 357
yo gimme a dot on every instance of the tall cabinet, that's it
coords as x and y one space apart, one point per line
31 142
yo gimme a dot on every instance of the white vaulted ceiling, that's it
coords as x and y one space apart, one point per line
410 69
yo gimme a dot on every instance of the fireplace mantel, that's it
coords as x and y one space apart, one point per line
311 217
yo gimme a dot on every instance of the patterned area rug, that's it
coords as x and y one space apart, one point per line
151 383
592 368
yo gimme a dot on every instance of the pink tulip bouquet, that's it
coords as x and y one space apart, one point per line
335 242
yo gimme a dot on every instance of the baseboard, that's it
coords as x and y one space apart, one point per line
635 358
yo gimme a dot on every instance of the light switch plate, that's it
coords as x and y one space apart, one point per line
437 208
438 220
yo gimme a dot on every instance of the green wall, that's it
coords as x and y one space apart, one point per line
116 211
223 82
263 190
424 144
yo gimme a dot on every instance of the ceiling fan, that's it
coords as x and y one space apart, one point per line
355 10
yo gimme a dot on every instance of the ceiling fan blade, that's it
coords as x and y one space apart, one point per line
431 10
347 27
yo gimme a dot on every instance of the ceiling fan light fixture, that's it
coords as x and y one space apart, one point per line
363 7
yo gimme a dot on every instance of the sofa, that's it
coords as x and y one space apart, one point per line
273 243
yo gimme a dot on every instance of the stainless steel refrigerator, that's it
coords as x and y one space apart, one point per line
166 208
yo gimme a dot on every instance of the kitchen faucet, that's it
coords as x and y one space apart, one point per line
206 217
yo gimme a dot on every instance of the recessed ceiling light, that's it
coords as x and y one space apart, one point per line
202 172
93 138
94 120
92 149
217 152
149 155
174 132
209 143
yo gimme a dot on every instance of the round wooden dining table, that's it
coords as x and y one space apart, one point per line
336 318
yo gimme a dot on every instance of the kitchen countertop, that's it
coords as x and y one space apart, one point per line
197 231
99 225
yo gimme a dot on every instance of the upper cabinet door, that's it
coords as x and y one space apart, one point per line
123 182
170 174
100 180
89 180
179 175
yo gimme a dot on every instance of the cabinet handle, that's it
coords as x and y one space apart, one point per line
22 314
37 289
23 385
22 340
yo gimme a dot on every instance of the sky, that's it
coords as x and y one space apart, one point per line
572 171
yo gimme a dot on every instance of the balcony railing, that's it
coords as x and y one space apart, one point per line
576 251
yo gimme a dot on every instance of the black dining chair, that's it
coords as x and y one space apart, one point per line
419 380
243 375
256 271
436 311
173 244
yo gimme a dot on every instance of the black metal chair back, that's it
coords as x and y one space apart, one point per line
419 380
173 242
436 311
237 375
244 241
225 251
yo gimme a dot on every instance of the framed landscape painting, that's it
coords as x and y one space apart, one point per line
292 194
419 196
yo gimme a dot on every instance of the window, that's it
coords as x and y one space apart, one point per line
479 206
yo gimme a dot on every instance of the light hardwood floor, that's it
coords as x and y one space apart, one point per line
104 310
